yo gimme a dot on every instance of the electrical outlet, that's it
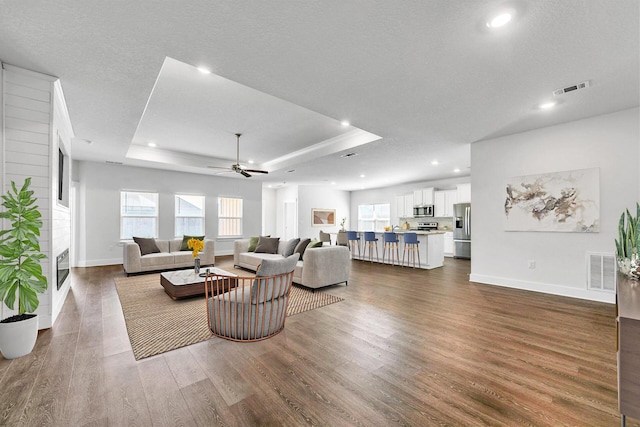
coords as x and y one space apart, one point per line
532 264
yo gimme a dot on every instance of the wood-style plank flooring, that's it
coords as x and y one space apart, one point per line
405 347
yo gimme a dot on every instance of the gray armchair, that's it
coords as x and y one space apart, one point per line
254 308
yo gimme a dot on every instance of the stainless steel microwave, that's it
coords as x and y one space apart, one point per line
422 211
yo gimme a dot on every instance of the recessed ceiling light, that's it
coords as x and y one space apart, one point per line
546 105
269 186
362 176
250 162
333 183
204 70
345 123
456 170
499 20
435 162
152 144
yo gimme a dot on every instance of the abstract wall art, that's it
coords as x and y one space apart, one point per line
320 217
566 201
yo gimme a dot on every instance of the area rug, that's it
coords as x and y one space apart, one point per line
156 323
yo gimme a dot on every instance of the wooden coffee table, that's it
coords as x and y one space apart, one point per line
185 283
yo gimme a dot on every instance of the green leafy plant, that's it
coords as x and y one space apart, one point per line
20 270
628 234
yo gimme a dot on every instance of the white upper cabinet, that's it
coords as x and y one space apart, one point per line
444 201
423 196
464 193
404 206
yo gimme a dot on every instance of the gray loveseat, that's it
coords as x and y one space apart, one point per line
323 266
169 257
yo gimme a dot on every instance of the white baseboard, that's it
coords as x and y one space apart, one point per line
97 262
565 291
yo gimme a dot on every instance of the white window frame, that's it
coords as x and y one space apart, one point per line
382 222
123 215
177 216
222 217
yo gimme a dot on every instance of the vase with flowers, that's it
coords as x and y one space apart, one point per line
342 222
196 246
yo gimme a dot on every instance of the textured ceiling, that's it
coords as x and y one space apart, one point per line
426 76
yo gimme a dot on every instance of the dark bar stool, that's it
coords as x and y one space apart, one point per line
411 243
391 243
352 237
371 241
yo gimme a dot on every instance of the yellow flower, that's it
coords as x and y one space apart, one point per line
196 245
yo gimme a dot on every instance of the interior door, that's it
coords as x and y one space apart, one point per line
290 220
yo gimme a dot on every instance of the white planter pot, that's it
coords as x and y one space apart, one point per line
17 339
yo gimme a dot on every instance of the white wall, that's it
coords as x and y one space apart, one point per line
608 142
269 220
99 206
35 121
310 197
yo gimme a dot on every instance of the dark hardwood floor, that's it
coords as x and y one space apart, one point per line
405 347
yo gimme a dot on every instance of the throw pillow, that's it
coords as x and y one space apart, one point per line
185 246
300 247
290 247
253 242
315 244
147 245
267 245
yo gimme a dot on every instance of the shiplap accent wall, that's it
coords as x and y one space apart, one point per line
35 122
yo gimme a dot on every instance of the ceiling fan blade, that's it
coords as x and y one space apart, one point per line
256 171
244 173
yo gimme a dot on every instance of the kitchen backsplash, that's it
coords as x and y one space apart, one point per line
445 223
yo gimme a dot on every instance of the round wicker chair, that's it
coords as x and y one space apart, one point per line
250 308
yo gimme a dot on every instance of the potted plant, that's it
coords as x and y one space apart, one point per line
627 245
21 275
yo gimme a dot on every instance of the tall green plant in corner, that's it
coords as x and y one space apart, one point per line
20 270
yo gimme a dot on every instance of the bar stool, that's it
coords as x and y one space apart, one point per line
411 244
352 236
371 241
391 243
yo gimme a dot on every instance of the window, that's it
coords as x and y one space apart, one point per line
189 215
138 214
374 217
229 217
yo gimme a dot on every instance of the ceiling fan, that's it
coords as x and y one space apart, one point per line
236 167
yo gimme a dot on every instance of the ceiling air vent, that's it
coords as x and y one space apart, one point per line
568 89
349 155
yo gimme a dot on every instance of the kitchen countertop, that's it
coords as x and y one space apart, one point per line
419 232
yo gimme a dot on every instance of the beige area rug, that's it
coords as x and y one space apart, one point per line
156 323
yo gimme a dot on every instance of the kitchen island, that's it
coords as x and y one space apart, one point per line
431 249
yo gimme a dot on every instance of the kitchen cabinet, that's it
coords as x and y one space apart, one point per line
404 206
448 244
423 196
464 193
444 201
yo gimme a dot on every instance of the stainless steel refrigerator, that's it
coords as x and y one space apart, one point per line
462 230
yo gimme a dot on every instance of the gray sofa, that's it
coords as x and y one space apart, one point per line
323 266
170 257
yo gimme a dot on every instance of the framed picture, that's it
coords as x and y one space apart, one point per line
567 201
323 217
